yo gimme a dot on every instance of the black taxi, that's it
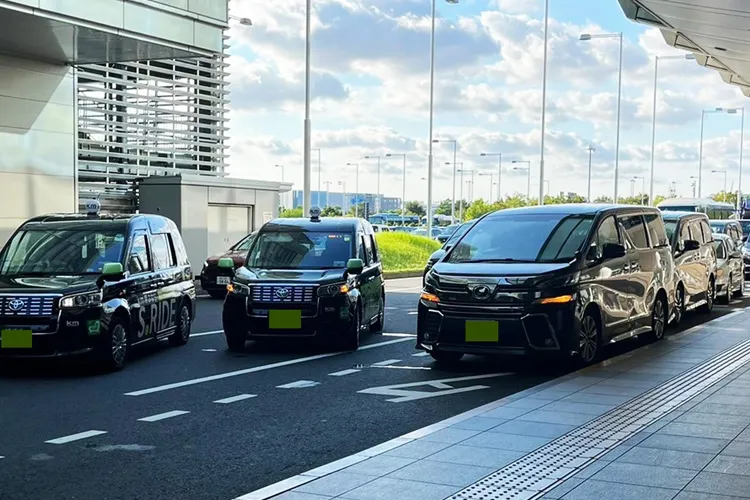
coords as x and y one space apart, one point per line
94 284
318 278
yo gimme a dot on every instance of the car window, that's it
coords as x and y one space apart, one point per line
656 230
635 230
179 248
696 232
720 249
374 246
670 226
607 234
139 260
163 258
368 249
706 231
244 244
685 231
301 249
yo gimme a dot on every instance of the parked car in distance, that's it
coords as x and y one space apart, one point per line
730 227
695 261
438 254
745 223
381 228
213 279
447 232
583 276
730 268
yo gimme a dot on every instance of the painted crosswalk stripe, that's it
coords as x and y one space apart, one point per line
421 354
234 399
344 372
299 384
163 416
386 362
75 437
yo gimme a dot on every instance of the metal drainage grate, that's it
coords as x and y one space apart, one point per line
546 467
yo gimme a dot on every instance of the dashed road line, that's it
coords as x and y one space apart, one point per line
254 369
386 362
163 416
398 335
421 354
234 399
344 372
203 334
299 384
75 437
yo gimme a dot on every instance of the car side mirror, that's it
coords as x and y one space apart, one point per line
689 245
226 263
355 266
111 271
613 251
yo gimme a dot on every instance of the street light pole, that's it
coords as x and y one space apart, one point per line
345 208
328 189
306 167
643 185
544 105
356 188
492 182
725 181
704 112
282 180
742 147
590 149
377 197
403 188
453 196
461 194
319 173
499 171
528 177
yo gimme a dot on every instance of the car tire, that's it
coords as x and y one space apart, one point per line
235 343
350 341
589 339
377 326
726 297
679 305
446 357
217 294
738 294
114 352
181 334
659 317
710 297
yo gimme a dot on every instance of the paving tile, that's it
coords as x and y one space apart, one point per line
614 390
666 458
722 409
605 399
443 473
529 403
473 455
450 435
379 465
721 484
296 495
694 417
684 443
556 417
561 490
737 449
478 423
596 490
585 408
727 464
384 488
417 449
732 390
505 412
615 453
729 400
693 495
592 469
645 475
553 394
524 428
636 438
334 484
512 442
717 431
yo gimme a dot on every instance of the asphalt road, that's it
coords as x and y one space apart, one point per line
197 422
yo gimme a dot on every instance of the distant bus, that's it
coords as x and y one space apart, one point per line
715 210
393 219
439 220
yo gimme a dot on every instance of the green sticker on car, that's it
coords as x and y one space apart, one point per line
93 326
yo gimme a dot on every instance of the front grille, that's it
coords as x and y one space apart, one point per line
26 305
495 311
284 294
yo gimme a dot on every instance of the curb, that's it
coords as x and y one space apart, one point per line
391 275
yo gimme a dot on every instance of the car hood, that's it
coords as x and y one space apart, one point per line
237 257
436 255
513 274
48 284
292 275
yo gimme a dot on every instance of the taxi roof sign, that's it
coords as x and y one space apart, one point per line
315 213
93 207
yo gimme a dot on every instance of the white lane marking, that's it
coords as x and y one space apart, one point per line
299 384
344 372
208 350
163 416
393 367
412 313
386 362
203 296
421 354
254 369
398 335
75 437
203 334
234 399
402 394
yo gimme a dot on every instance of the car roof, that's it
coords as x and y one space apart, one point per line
672 202
573 209
721 236
323 224
670 215
724 222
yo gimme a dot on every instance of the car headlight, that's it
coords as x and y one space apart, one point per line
238 288
90 299
333 290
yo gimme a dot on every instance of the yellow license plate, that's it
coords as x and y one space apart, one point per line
482 331
285 320
15 339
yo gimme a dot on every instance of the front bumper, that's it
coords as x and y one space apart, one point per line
65 334
209 277
522 329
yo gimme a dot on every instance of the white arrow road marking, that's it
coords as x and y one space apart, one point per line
386 362
234 399
421 354
203 334
406 395
300 384
344 372
163 416
75 437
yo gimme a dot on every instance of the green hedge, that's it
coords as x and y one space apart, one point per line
404 252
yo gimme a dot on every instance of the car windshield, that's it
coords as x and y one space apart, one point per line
524 238
745 227
460 231
684 208
670 226
244 244
300 249
61 251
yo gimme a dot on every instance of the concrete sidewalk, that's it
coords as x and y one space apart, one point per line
670 420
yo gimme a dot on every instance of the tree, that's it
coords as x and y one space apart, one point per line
289 213
444 208
354 209
729 197
331 212
603 199
477 209
416 208
659 198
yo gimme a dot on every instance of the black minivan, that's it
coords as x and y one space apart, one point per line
318 278
565 279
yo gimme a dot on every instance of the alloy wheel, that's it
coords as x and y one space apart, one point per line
185 324
589 339
659 319
119 344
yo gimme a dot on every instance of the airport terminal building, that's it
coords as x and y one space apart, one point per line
125 101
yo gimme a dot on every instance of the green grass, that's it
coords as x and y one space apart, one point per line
405 252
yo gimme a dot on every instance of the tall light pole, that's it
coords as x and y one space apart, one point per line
546 183
725 181
733 111
590 149
528 176
319 173
653 119
461 195
492 183
377 197
586 37
328 189
453 196
643 185
700 152
403 188
356 188
282 180
544 105
345 208
471 194
432 109
500 170
306 177
693 178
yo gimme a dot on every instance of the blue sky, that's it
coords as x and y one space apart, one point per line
370 75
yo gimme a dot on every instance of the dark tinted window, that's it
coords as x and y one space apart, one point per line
656 230
139 260
460 231
635 230
607 234
244 243
529 237
163 258
374 246
706 230
685 232
368 249
745 226
179 248
720 249
300 249
670 226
